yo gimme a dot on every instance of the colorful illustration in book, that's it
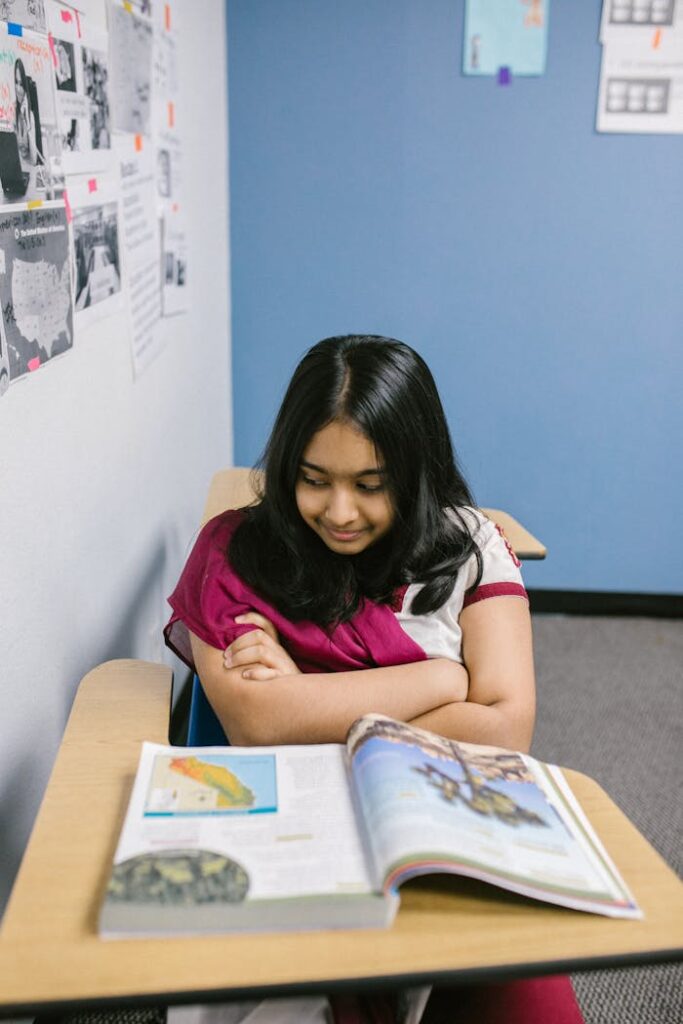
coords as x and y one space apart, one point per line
212 784
180 877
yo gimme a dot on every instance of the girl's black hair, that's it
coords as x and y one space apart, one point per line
384 389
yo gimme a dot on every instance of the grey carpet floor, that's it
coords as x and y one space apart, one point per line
610 703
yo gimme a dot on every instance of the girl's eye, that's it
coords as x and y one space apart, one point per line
312 481
371 488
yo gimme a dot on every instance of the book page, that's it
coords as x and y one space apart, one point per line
255 823
431 804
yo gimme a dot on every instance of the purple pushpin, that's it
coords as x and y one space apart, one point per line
504 76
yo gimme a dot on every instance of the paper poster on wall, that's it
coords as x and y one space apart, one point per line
35 285
98 287
509 34
29 138
641 74
641 89
4 360
130 63
141 245
626 19
82 92
28 13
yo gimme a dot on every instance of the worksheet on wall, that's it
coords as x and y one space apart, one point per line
130 63
505 34
98 287
27 13
142 247
641 76
30 167
35 285
81 72
166 94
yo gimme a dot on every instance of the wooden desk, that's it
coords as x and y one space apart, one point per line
52 959
232 488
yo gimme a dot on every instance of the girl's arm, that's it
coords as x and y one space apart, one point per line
498 656
318 707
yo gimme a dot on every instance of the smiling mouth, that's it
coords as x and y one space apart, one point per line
343 535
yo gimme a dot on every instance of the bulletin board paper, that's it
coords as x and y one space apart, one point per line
509 34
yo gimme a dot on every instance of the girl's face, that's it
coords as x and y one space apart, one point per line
341 491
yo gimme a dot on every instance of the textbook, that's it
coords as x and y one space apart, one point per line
236 839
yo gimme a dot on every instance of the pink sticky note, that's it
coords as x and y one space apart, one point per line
33 364
67 207
51 43
66 15
92 185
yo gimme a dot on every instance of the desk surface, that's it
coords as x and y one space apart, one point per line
51 957
232 488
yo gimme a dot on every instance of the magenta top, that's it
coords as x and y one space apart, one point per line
210 595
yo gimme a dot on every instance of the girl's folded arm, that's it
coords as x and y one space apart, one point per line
497 651
321 707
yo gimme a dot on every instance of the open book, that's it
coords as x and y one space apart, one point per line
221 839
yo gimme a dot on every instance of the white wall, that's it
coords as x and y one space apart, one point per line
103 478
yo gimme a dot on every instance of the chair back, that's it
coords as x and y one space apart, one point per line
203 728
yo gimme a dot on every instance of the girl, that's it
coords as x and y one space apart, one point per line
364 579
23 119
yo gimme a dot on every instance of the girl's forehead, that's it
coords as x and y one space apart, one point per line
341 448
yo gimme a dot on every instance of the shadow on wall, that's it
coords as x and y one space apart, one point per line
136 634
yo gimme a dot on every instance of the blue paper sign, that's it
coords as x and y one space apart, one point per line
509 34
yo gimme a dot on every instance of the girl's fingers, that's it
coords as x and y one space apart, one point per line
255 619
254 636
257 653
259 672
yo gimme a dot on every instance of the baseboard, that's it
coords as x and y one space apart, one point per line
598 602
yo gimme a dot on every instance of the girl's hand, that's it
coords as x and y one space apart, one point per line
259 651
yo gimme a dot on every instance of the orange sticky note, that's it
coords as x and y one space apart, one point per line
33 364
167 16
171 114
656 39
138 143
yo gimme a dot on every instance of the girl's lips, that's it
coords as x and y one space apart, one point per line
343 535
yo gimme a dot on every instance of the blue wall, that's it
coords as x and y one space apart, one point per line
535 264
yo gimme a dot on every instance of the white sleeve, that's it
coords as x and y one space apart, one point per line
438 633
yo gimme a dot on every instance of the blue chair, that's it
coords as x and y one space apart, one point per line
203 729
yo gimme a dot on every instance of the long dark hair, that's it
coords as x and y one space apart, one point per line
385 389
19 65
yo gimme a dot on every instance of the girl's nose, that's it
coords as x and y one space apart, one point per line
341 507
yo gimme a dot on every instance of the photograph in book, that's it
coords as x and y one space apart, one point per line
96 252
29 13
350 825
30 150
130 65
35 286
434 804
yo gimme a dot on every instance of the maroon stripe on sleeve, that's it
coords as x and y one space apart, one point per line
495 590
